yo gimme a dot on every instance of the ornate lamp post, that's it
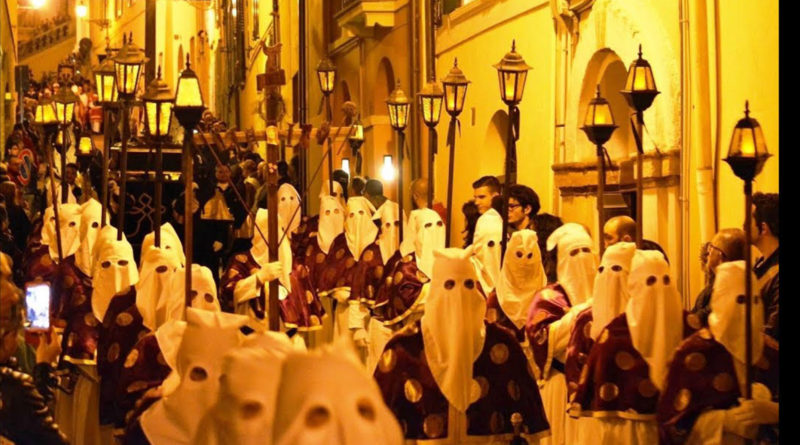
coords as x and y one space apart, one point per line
640 90
64 101
430 105
512 71
158 101
45 119
356 140
746 157
84 150
326 75
598 126
127 68
398 104
105 82
188 109
455 92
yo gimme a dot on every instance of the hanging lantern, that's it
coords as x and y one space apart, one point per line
398 108
748 150
640 86
512 72
105 81
455 90
85 145
326 74
65 101
188 106
45 113
599 122
430 103
128 68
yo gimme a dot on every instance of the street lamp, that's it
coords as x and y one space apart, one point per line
188 109
45 118
356 140
64 101
84 150
81 10
387 169
158 118
512 71
106 85
598 126
430 105
326 75
398 104
640 91
127 68
455 93
746 157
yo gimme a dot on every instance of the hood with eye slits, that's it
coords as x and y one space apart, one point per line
454 305
91 212
487 248
289 207
387 216
69 219
153 288
169 241
522 275
577 265
114 272
331 222
423 234
359 229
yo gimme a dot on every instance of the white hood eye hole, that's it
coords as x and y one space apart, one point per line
519 254
327 212
168 247
336 211
616 268
397 223
428 225
366 410
283 198
352 215
530 255
122 263
439 223
666 280
72 224
574 252
291 198
52 218
198 374
193 294
601 269
741 299
105 264
209 298
586 250
449 284
469 284
317 417
162 268
651 280
95 225
490 243
360 212
249 410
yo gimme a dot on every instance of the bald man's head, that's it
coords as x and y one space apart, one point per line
419 192
727 245
619 228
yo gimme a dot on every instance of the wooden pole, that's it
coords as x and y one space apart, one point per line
601 186
330 147
123 179
158 192
432 142
510 174
451 170
748 289
639 176
104 170
53 195
401 140
272 234
63 151
188 217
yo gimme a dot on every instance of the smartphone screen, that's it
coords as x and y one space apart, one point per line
37 300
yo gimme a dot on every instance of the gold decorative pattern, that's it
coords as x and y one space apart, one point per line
541 336
407 259
113 352
499 353
693 321
496 423
624 360
124 319
695 361
433 425
387 361
78 299
46 261
483 383
513 390
647 388
378 272
68 282
398 277
314 320
339 254
370 291
349 263
90 320
722 382
584 375
608 391
413 390
682 399
369 255
587 329
309 297
388 281
320 258
309 250
130 360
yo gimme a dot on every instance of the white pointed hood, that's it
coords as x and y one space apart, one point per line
610 294
69 219
114 272
577 264
331 221
260 251
338 192
389 237
487 247
423 234
207 337
521 276
169 241
654 312
454 305
359 230
91 212
153 289
727 318
289 207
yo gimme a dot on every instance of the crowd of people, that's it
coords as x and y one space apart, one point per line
383 338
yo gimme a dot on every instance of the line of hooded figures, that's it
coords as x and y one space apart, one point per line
385 342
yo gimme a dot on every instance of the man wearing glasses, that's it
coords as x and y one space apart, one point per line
727 245
523 205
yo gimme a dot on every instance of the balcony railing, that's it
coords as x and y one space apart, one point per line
46 39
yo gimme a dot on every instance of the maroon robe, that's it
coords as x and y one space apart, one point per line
313 258
398 295
122 328
495 314
144 368
615 382
81 332
549 305
338 270
368 276
301 309
701 378
305 235
506 382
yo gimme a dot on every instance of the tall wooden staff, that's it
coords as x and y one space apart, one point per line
272 221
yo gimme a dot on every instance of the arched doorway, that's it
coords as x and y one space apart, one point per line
384 84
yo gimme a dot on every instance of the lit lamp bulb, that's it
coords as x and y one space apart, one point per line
37 4
387 171
81 10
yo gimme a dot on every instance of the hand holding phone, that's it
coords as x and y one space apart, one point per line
49 347
37 301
